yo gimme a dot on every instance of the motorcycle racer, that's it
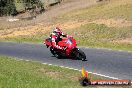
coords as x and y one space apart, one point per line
55 37
63 47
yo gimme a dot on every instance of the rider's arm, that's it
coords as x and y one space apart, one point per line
54 43
64 35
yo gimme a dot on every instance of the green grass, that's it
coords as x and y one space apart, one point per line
95 35
22 74
90 34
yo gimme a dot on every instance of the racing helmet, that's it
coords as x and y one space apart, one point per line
57 30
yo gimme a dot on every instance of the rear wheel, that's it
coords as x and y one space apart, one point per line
52 50
56 54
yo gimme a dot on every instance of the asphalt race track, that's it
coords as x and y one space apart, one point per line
102 61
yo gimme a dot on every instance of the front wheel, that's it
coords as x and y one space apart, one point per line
79 54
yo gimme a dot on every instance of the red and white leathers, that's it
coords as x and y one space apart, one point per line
55 36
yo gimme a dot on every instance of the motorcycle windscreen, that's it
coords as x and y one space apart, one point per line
67 42
71 43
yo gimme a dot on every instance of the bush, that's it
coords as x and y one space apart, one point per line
7 7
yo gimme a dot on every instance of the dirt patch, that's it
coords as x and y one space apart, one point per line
32 30
124 41
71 24
48 15
113 22
42 23
46 28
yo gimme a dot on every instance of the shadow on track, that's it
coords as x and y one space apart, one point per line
69 58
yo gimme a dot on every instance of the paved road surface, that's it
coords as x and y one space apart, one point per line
112 63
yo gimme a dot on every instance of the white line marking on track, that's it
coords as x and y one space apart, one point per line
103 75
74 69
80 70
27 60
44 63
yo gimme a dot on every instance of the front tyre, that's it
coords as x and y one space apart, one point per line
78 54
81 55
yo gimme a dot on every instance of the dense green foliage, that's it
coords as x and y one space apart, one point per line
7 7
12 7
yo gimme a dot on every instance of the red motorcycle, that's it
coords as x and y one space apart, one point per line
70 50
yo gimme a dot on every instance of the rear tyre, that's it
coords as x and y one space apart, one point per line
57 55
52 50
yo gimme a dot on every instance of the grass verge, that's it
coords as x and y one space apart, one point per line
90 35
99 35
22 74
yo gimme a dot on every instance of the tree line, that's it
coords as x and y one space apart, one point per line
13 7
